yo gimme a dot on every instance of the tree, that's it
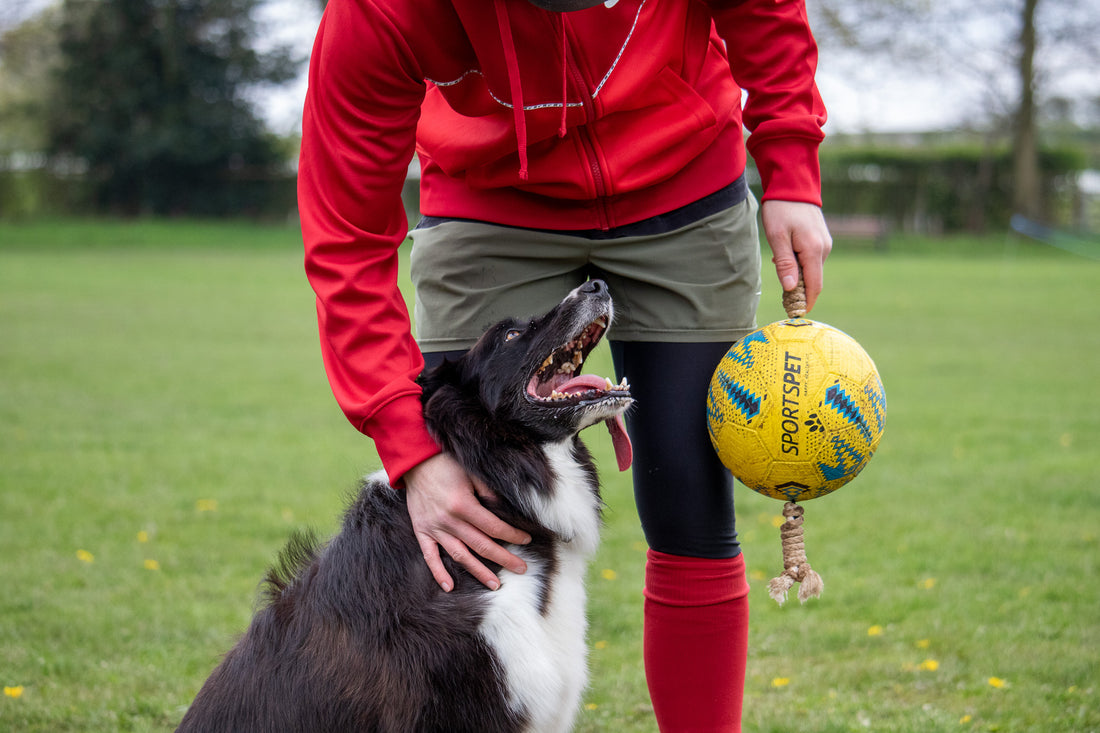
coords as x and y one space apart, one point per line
153 96
1002 58
28 57
1027 192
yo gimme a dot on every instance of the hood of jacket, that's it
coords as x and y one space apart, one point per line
575 105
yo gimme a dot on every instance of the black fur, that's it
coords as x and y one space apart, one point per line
355 635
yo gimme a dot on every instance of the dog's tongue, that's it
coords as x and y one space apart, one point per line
583 383
624 451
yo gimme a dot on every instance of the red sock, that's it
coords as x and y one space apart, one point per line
696 641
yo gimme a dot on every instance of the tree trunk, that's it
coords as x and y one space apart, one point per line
1027 191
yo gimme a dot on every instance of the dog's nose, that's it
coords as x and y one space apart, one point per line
594 287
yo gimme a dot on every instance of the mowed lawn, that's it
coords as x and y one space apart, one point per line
165 423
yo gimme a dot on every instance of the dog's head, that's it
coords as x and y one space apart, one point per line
529 372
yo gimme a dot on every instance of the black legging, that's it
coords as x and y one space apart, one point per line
683 493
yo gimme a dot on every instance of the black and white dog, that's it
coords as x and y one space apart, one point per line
357 636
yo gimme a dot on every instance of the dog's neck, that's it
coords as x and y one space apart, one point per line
571 509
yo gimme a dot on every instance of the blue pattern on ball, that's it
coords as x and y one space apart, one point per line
876 395
848 460
839 400
742 351
744 399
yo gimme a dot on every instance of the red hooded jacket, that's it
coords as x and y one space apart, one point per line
583 120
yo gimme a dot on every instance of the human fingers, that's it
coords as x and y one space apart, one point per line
445 512
478 534
460 552
429 548
490 523
465 519
812 243
783 257
432 539
800 243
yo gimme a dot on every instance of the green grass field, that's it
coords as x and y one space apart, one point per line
165 423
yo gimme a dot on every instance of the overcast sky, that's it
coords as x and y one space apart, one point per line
859 96
883 102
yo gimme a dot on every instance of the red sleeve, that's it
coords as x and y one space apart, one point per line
773 56
358 133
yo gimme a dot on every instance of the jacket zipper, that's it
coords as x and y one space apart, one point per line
588 142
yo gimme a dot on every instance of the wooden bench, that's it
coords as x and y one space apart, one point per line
863 227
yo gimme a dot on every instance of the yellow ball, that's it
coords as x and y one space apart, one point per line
796 409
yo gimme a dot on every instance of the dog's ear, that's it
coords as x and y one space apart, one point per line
496 391
448 405
447 397
492 394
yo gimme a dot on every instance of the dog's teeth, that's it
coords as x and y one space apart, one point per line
623 384
609 383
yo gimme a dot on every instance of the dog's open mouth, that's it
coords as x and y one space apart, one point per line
558 383
558 379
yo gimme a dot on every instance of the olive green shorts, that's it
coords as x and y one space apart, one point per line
698 283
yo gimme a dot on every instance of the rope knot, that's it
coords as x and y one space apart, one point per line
796 569
794 301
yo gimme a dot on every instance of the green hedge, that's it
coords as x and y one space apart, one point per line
41 192
924 190
965 187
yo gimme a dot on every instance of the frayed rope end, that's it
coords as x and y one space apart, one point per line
796 569
778 588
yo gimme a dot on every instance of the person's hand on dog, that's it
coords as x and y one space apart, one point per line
799 239
446 513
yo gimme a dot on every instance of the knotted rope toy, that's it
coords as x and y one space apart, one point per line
795 410
796 569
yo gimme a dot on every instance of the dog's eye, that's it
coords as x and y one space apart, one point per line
512 334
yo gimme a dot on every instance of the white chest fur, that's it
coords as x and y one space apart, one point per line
544 654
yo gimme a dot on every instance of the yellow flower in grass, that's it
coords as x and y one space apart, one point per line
207 505
965 719
781 681
875 630
591 706
143 536
600 645
929 665
996 682
924 643
85 556
151 564
15 692
608 574
928 584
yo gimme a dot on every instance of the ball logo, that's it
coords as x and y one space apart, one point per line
792 388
